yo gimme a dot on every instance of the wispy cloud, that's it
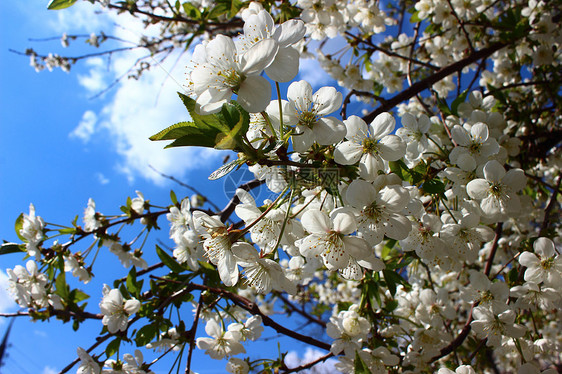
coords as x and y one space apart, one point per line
7 304
86 127
49 370
138 108
102 178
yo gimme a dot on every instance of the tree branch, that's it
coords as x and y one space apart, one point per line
432 79
254 309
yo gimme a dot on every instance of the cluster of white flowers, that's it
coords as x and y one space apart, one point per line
408 241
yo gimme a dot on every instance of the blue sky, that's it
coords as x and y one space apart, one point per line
59 147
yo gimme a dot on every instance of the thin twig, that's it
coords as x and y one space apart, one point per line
432 79
193 333
549 207
227 211
310 364
193 189
467 327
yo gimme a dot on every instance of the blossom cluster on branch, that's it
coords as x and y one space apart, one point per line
421 234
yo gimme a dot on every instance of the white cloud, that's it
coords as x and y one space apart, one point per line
96 80
7 304
137 109
81 17
293 360
101 178
49 370
86 127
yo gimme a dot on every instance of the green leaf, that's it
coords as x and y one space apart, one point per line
442 105
60 4
173 197
237 120
392 278
169 261
7 248
19 226
133 286
192 11
62 288
146 334
67 231
457 101
78 295
360 366
112 347
230 7
415 18
223 130
434 186
177 131
225 169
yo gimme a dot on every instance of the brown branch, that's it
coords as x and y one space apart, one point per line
192 332
193 189
310 364
55 313
390 53
549 207
466 329
426 83
301 312
254 309
347 100
495 244
229 209
234 23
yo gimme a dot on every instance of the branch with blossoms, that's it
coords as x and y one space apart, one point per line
414 232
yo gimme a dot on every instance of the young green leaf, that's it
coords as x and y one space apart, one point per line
225 169
169 260
60 4
7 248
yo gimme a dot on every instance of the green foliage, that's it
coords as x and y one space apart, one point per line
360 367
7 248
60 4
225 169
224 130
169 261
19 226
133 286
228 7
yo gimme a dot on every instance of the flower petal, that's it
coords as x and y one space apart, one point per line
328 130
289 32
493 171
316 222
382 125
392 148
327 100
299 95
348 153
285 66
254 94
258 57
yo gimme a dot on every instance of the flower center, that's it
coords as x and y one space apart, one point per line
372 211
496 189
370 146
334 241
474 147
308 119
231 78
547 263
